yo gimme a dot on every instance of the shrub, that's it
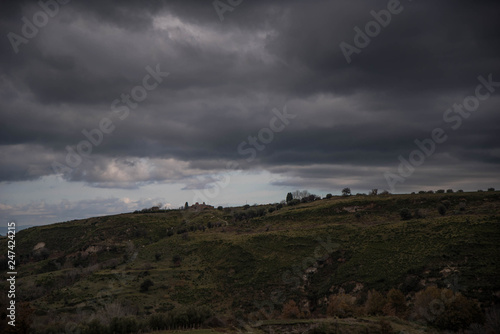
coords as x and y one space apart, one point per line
418 214
446 310
460 191
291 310
176 259
385 193
357 215
341 305
440 191
279 206
374 192
396 303
123 325
441 209
146 285
449 191
328 196
220 208
446 203
459 314
375 303
271 209
491 189
430 191
294 202
421 192
405 214
94 327
385 327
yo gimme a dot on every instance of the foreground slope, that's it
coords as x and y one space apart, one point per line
222 263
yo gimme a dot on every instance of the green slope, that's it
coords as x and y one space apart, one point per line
305 253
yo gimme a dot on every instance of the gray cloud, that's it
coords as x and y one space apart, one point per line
353 120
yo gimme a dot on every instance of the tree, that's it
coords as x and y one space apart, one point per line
186 206
300 194
346 192
289 197
328 196
374 192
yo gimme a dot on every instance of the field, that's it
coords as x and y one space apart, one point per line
309 267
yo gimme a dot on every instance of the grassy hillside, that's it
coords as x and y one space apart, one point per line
217 268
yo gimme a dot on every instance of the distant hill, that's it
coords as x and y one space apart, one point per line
356 264
4 229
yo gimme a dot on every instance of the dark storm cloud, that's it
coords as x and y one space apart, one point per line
352 120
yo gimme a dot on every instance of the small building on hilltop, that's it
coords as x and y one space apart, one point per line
199 207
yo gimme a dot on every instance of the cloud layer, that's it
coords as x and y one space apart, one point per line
353 120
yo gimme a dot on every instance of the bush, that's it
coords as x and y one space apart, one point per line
123 325
421 192
460 191
396 303
440 191
449 191
385 327
446 203
220 208
279 206
459 314
146 285
341 305
176 259
271 209
294 202
94 327
430 191
418 214
491 189
328 196
405 214
446 310
375 303
291 310
441 209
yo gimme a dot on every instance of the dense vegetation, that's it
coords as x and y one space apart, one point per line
354 264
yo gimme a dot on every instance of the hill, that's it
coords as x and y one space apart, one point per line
344 264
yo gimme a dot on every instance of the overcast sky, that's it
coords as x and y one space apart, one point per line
113 106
